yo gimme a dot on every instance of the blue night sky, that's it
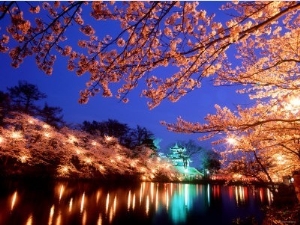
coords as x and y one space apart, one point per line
62 89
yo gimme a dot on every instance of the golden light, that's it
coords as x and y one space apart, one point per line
129 200
51 215
23 158
293 105
101 168
119 158
82 202
72 139
47 134
16 135
1 139
115 205
88 160
30 121
29 220
84 217
108 138
231 141
133 163
13 200
61 191
147 205
94 143
70 204
280 159
46 126
65 169
237 176
133 202
295 102
143 169
99 222
107 203
78 151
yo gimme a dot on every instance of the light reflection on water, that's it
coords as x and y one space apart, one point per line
145 203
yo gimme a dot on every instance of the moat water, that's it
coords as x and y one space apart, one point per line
89 203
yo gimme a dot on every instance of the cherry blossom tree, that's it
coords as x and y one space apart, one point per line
152 35
263 37
30 147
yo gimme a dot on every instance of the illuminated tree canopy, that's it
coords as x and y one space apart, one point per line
153 35
262 36
30 147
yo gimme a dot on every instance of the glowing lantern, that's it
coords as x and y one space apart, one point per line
16 135
65 169
23 158
108 138
47 135
1 139
293 105
72 139
46 126
101 168
231 141
88 160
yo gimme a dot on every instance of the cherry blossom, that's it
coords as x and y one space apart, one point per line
262 36
27 143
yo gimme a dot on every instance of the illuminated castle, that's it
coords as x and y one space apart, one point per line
178 156
181 161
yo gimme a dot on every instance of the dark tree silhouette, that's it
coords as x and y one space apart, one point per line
139 136
129 137
52 116
110 127
4 105
24 97
211 161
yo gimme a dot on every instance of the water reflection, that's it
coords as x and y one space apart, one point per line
147 203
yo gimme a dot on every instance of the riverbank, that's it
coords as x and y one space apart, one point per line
285 208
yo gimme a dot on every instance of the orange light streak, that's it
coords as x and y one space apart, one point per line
82 202
70 204
107 203
61 191
84 217
147 205
99 222
128 200
13 200
51 215
29 220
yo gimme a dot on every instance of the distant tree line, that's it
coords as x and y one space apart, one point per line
26 97
128 137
